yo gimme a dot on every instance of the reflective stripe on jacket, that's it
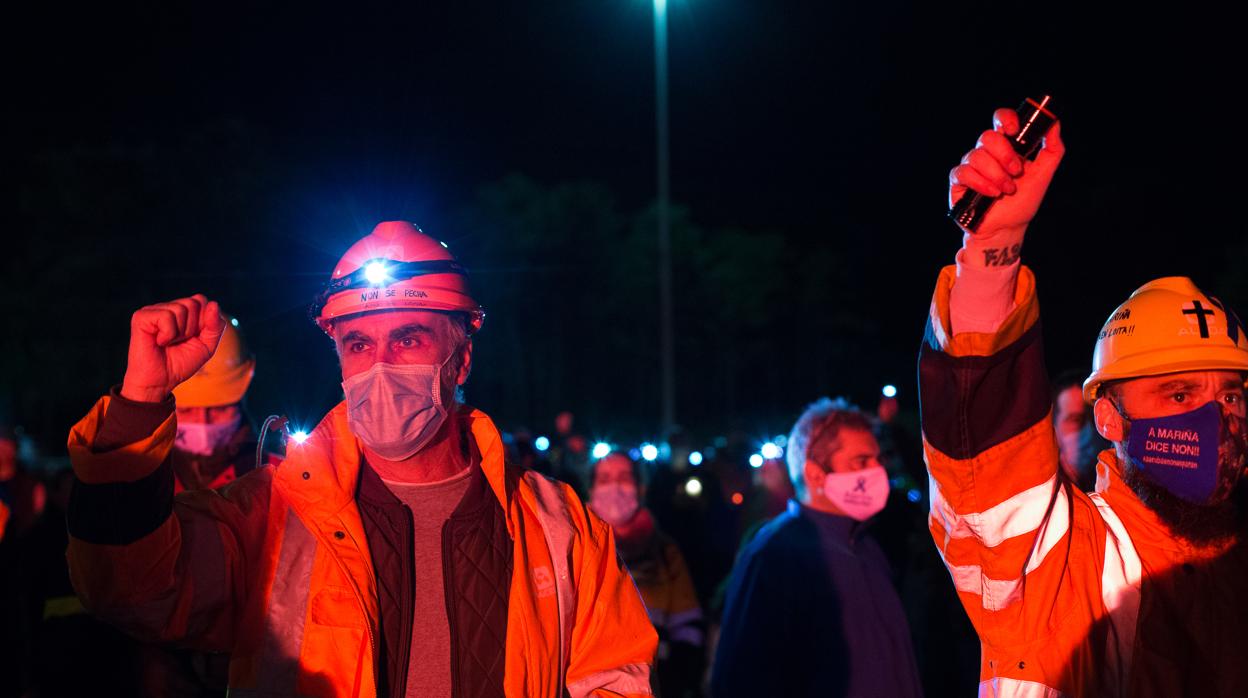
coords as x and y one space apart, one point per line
275 569
1072 594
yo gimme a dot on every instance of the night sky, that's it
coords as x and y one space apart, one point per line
162 149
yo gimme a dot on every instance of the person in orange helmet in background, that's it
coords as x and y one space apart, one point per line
1138 588
391 553
216 442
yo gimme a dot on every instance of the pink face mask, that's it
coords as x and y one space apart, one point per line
860 494
203 439
615 503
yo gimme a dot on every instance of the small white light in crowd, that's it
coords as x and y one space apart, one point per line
375 272
541 443
695 458
781 441
693 487
770 451
443 244
234 321
299 436
914 495
890 391
650 452
601 449
756 460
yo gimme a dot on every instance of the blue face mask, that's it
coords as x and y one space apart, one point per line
1181 452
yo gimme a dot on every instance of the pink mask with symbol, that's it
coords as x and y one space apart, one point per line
860 494
203 439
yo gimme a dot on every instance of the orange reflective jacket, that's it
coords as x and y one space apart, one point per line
275 569
1071 593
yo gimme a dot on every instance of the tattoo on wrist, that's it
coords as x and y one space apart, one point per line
1002 256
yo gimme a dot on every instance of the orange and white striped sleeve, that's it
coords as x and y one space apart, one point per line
1000 514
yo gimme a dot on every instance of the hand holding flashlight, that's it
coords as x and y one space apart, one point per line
996 189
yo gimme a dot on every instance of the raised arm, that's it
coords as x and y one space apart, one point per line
998 516
160 570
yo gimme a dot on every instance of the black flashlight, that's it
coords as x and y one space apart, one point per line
1034 118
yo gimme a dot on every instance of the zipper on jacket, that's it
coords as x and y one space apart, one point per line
359 598
374 648
409 596
447 587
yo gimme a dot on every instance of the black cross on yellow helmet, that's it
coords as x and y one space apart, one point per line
1167 326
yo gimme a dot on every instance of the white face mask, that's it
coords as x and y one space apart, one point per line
615 503
203 439
396 409
860 494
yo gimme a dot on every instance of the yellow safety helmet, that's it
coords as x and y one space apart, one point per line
226 376
1167 326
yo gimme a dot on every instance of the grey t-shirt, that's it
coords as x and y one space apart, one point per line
429 664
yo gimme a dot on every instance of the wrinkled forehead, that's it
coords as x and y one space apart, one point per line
1187 380
853 441
381 323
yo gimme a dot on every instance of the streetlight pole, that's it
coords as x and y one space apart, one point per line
666 340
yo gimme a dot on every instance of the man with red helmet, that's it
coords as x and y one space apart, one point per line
392 553
1136 589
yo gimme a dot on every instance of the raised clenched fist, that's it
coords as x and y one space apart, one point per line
169 342
994 169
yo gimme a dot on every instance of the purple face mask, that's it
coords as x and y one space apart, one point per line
1181 452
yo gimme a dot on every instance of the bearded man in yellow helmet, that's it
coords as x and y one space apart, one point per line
392 553
1141 587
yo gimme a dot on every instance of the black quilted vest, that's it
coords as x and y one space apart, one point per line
476 560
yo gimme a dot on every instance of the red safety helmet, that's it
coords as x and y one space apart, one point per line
396 266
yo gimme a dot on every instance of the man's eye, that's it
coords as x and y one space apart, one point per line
1179 397
407 342
357 347
1234 398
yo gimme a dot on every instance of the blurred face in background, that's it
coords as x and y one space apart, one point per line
223 414
773 477
204 430
8 459
563 423
1070 413
888 409
857 451
615 494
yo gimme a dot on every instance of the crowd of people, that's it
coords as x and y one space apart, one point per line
1080 536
